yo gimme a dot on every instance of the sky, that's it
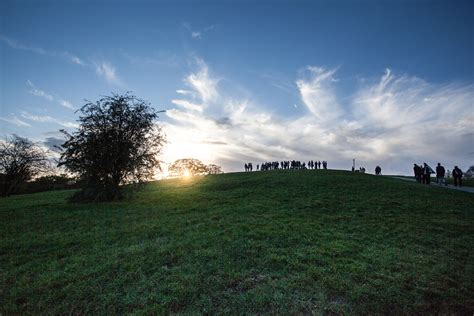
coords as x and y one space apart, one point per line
387 83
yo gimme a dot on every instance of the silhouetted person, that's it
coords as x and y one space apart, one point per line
417 171
378 170
426 173
325 165
440 172
319 164
257 167
457 175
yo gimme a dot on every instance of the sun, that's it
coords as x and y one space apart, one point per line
186 173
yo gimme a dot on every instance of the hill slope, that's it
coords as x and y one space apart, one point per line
279 241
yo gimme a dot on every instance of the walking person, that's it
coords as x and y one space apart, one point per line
457 175
440 172
426 173
417 172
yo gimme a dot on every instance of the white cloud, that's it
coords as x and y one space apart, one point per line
107 71
48 119
393 122
188 105
318 96
15 121
74 59
40 93
197 34
203 83
66 104
38 50
16 45
185 92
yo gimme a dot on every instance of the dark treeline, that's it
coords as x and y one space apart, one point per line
287 165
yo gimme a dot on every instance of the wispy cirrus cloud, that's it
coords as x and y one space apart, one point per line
278 82
184 92
38 50
202 82
317 94
38 92
390 122
195 33
13 119
48 119
74 59
103 69
187 105
34 90
107 71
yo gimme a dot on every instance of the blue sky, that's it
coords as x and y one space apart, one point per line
386 83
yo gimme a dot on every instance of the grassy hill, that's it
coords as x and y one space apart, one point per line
281 241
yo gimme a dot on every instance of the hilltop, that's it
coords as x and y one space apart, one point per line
306 241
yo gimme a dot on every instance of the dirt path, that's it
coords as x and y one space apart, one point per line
434 184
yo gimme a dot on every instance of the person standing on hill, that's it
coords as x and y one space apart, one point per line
418 173
457 175
440 172
426 173
378 170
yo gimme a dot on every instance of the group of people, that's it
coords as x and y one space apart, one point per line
423 174
360 170
287 165
248 167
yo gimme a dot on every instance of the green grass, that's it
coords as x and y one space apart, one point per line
466 182
286 242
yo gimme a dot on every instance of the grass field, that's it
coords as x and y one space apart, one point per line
466 182
286 242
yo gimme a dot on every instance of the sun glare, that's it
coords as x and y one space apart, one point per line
186 173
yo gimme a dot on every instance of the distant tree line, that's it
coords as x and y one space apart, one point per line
20 161
117 144
192 167
114 151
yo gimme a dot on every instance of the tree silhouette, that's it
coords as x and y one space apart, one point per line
469 172
117 143
214 169
187 166
20 161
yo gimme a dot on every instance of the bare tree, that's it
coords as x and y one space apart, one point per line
117 143
20 161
